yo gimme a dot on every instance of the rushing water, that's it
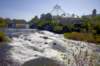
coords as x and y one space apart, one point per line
28 47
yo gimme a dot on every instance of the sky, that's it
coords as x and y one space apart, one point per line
27 9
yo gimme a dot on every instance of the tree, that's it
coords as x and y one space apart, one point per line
70 27
42 17
3 24
94 12
97 28
33 22
8 22
58 29
48 17
97 24
48 27
87 24
40 24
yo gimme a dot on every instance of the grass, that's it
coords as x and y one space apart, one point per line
3 38
88 37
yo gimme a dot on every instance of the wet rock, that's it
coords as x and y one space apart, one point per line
42 62
58 47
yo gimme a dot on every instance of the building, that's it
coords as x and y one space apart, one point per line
19 24
70 21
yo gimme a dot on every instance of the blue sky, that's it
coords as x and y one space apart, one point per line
26 9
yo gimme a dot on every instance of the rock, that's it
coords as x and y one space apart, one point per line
41 62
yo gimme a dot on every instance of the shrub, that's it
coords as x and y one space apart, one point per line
3 37
80 36
97 38
58 29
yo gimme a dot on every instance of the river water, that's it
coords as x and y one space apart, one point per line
43 48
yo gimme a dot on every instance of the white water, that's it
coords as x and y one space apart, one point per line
29 46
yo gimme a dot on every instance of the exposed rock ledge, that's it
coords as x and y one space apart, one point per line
28 47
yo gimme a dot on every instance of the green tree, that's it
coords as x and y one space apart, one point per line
96 23
3 24
58 28
97 27
87 24
40 24
34 20
70 27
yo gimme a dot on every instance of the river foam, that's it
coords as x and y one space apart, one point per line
38 44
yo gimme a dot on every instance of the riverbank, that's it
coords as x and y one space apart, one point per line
87 37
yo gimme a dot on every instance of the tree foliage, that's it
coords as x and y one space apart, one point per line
2 23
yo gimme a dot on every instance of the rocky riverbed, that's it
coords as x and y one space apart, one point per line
43 48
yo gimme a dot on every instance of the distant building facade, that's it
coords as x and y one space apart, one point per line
18 24
70 21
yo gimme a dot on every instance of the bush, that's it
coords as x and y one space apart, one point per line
2 23
97 38
80 36
3 37
58 29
